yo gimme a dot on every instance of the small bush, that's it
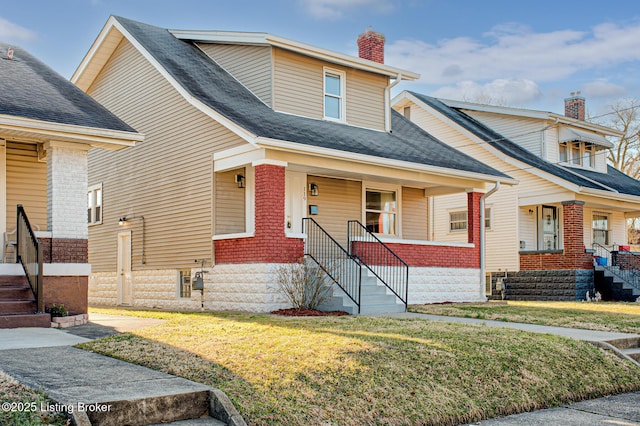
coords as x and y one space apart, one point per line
57 310
303 284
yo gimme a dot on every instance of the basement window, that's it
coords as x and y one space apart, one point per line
185 284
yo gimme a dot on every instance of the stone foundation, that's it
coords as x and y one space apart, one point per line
553 285
436 285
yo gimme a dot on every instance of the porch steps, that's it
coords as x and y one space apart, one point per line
17 304
629 347
374 298
613 287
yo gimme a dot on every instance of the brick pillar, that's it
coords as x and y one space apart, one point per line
67 172
269 201
473 217
573 234
371 46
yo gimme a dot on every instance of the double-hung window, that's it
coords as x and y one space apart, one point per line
334 88
94 204
381 212
600 226
458 220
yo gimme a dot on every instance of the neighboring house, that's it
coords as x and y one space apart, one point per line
47 126
568 203
246 135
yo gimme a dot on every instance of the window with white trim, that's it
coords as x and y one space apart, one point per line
381 212
458 220
577 154
334 90
94 205
600 226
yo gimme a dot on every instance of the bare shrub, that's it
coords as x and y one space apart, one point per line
303 284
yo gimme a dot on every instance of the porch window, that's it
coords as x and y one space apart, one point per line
381 212
458 221
334 95
600 226
94 205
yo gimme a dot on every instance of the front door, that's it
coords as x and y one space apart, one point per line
124 268
549 227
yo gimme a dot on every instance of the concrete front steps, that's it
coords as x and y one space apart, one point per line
17 304
375 298
613 287
629 347
105 391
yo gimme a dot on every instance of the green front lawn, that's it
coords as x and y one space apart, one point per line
370 370
606 316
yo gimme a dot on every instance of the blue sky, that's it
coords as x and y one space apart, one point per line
526 54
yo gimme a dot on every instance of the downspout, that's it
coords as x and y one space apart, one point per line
387 102
482 236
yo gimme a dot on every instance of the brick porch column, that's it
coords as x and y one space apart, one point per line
473 223
573 235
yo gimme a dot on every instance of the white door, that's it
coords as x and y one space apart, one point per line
295 201
124 268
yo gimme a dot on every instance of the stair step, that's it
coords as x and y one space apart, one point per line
13 280
10 307
41 320
9 293
634 353
203 421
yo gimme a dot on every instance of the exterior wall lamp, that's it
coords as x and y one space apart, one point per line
240 180
313 189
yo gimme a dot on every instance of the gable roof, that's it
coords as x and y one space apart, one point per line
33 90
202 80
613 181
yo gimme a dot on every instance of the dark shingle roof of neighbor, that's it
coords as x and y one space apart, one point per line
31 89
216 88
612 180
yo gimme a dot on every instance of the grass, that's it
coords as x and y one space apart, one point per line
370 370
26 405
605 316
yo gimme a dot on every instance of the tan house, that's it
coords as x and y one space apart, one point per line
569 204
47 126
260 150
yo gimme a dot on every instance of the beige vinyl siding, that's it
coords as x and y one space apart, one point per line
526 132
338 201
414 210
250 65
551 139
26 185
298 89
528 224
167 178
617 226
230 203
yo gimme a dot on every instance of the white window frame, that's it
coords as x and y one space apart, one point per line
92 197
487 217
573 147
607 230
373 187
342 98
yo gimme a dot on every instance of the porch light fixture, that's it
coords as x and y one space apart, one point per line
240 180
313 189
122 220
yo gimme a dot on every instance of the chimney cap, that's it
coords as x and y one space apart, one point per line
370 33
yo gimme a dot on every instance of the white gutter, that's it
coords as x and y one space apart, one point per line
482 236
387 102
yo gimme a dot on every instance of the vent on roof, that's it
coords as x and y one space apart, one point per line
10 53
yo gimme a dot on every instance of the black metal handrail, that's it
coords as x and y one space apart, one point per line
621 266
378 258
29 255
333 259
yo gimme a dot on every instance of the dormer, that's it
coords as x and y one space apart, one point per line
296 78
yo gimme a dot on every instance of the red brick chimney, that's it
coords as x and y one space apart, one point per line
371 46
574 106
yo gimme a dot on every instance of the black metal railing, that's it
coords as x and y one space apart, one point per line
29 254
333 259
378 258
624 264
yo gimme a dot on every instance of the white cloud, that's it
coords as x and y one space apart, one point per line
14 32
512 51
509 92
336 9
602 89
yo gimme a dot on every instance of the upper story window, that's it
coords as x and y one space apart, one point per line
334 84
94 204
577 154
